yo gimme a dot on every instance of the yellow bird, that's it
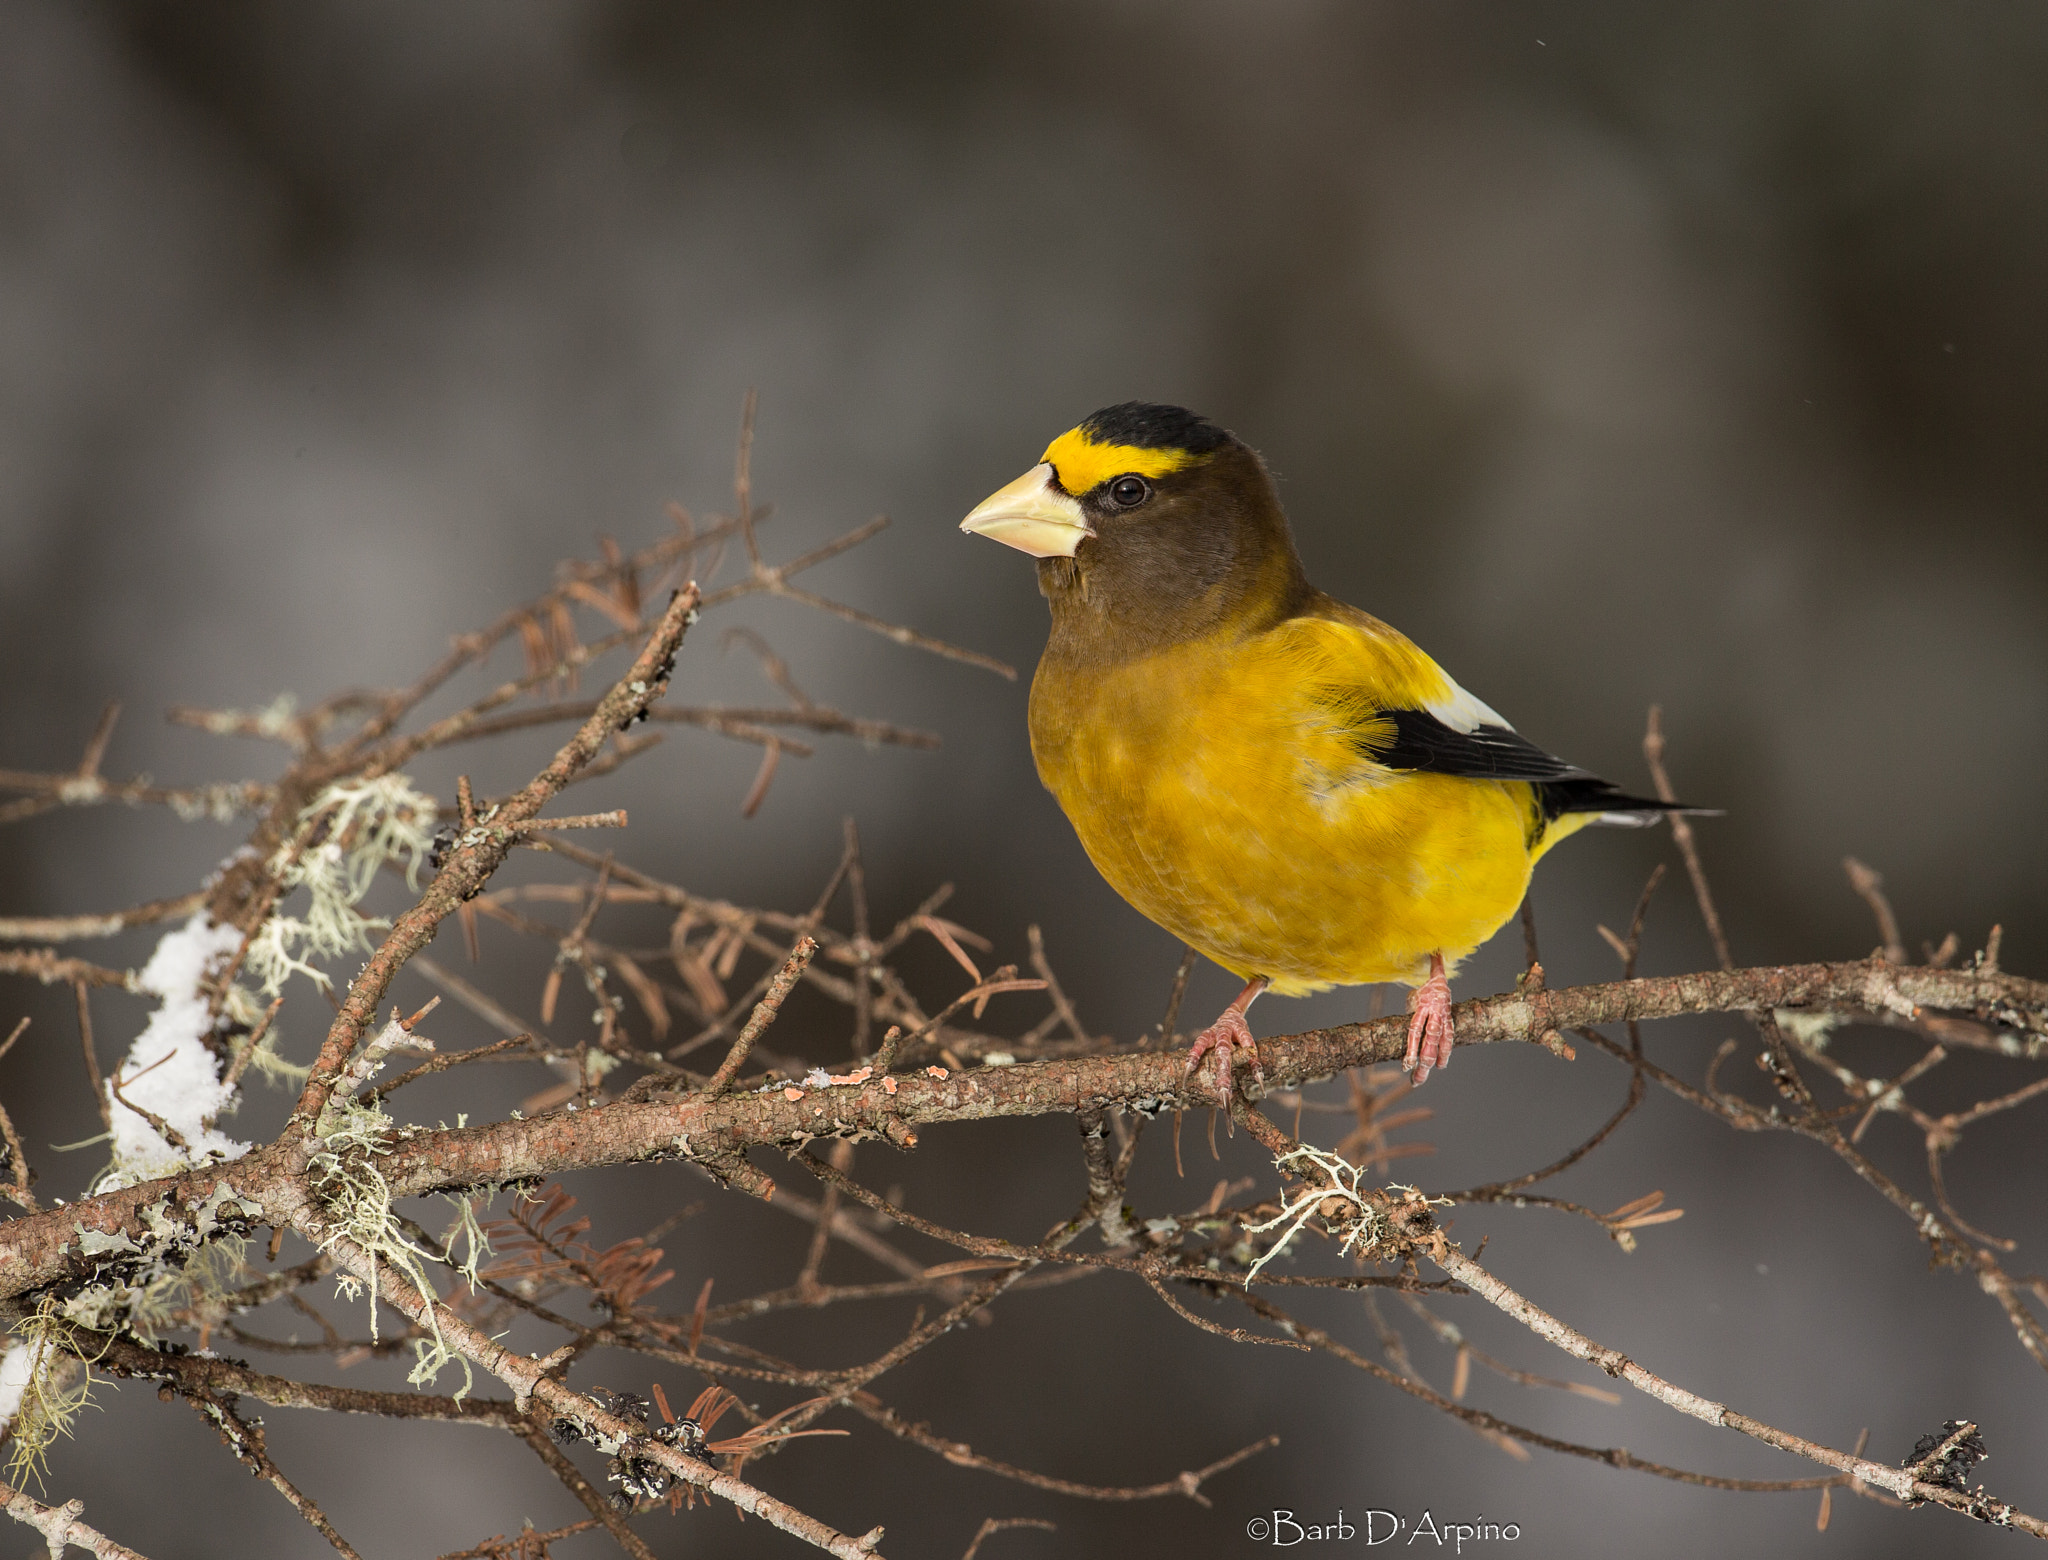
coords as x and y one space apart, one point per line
1283 782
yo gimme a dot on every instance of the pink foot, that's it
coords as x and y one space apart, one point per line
1429 1030
1224 1037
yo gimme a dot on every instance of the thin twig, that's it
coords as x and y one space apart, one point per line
593 1500
1173 999
92 1061
1681 831
64 928
993 1525
247 1442
1899 1482
1870 886
764 1014
1060 1004
1234 1334
1188 1484
50 968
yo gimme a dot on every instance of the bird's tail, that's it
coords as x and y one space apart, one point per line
1560 798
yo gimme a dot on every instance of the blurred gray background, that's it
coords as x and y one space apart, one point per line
1682 354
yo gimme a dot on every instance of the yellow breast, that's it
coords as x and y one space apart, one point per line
1218 788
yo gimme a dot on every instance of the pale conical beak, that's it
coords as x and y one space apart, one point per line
1032 516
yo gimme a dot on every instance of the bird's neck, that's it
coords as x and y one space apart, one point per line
1106 608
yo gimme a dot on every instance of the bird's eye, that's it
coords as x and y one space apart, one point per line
1129 492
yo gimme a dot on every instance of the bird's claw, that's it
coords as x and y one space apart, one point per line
1224 1037
1429 1029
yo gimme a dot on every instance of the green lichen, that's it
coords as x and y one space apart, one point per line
357 1199
357 828
1809 1029
194 1254
59 1387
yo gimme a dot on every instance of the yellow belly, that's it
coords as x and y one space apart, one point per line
1237 813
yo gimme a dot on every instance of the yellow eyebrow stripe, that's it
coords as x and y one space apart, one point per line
1083 465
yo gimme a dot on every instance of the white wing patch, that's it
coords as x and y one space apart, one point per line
1462 712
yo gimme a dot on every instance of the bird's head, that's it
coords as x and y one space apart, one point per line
1148 512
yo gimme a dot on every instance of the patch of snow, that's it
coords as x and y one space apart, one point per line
13 1381
169 1070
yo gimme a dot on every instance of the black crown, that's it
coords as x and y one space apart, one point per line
1146 425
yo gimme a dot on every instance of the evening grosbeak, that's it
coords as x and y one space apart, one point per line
1283 782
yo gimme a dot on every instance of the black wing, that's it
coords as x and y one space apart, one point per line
1416 741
